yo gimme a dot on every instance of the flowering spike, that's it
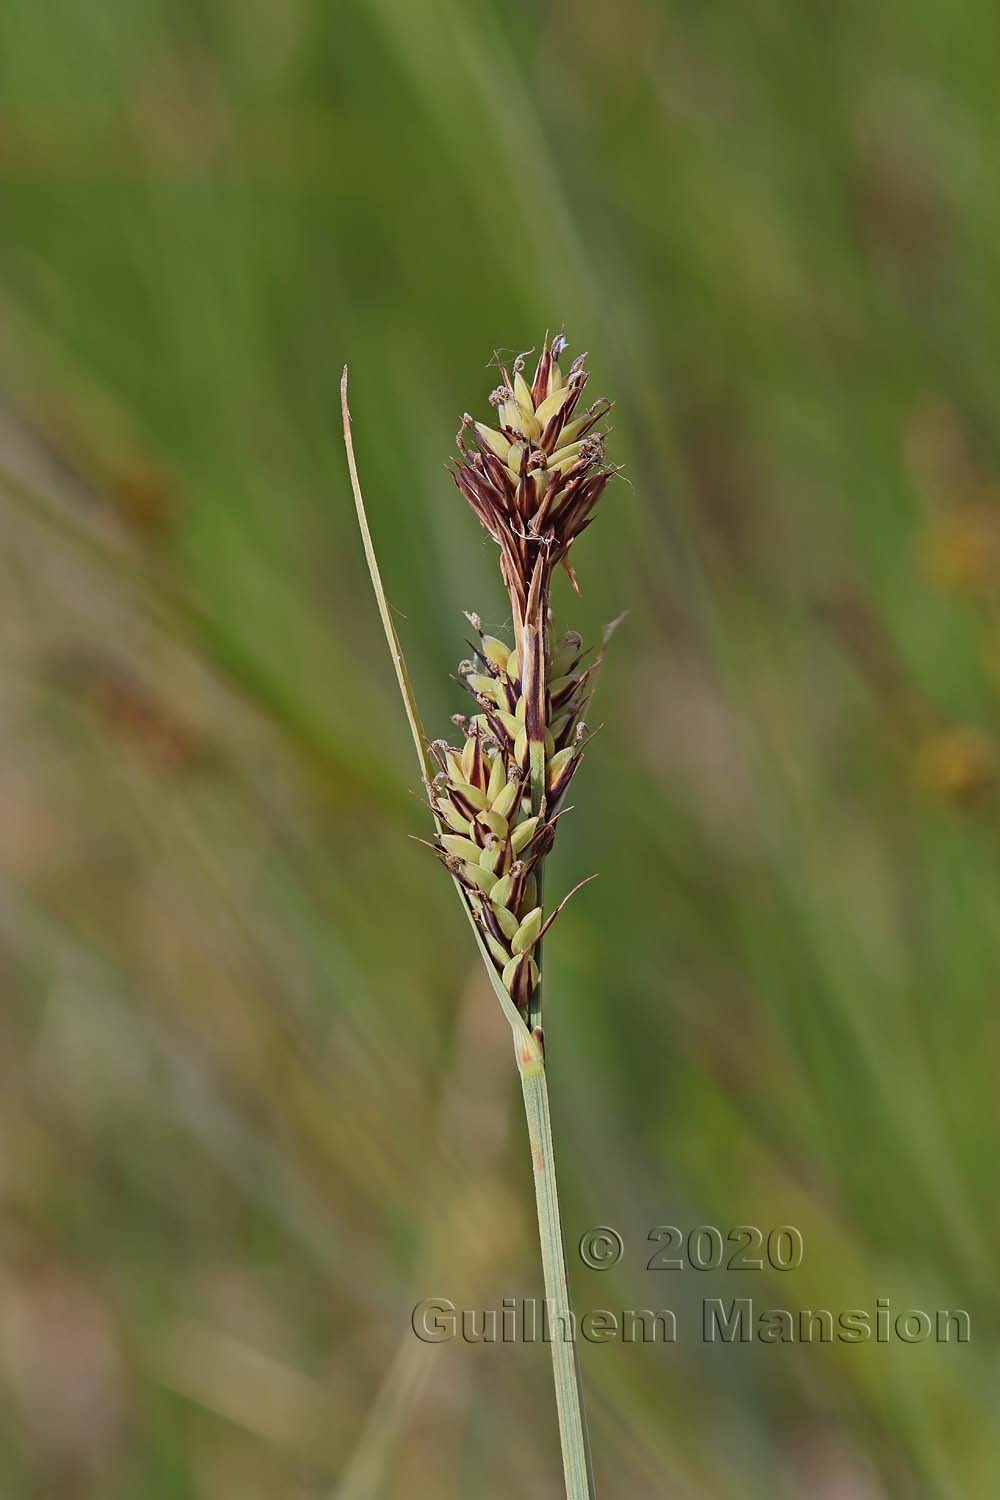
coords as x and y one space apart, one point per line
533 481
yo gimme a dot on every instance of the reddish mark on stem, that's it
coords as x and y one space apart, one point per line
528 1052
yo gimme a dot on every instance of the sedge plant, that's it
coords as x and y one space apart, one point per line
532 478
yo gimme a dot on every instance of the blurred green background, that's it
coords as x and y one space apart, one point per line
255 1099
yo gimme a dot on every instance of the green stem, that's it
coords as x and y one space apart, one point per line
536 784
573 1436
535 1003
537 773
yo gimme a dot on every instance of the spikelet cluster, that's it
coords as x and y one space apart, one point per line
533 482
491 839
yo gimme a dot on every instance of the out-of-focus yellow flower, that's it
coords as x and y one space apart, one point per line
961 550
956 764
